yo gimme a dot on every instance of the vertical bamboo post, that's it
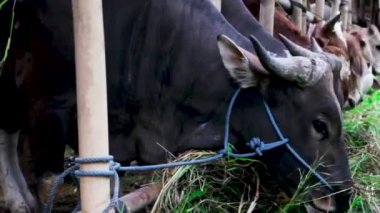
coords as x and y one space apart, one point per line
377 23
360 9
304 18
297 15
91 100
319 8
344 11
370 11
267 15
349 15
354 11
335 8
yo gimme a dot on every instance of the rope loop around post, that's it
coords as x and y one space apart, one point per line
256 144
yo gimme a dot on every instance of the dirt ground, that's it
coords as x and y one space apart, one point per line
68 197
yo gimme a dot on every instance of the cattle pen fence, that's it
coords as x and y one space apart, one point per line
95 164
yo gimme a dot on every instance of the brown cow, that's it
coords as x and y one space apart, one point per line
282 24
355 78
373 35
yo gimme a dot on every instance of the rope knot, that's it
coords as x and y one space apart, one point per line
114 166
257 145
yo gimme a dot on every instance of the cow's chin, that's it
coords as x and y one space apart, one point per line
321 203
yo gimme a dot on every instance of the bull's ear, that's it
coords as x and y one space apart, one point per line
242 65
331 24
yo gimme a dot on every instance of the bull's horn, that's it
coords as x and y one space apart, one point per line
295 49
304 71
315 46
331 23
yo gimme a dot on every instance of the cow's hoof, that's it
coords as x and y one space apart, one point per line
21 207
31 201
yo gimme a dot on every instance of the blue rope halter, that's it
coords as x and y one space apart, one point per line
255 144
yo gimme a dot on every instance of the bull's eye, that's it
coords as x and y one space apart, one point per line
321 127
378 47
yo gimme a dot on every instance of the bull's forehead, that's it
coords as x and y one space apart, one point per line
326 91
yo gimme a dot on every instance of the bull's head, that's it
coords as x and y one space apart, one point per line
374 41
300 93
354 77
340 66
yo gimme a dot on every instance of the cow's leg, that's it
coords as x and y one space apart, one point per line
47 139
16 192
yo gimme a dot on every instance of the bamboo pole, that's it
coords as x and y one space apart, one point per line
354 11
349 15
297 15
319 8
344 11
360 9
267 15
91 100
142 197
304 19
334 8
377 23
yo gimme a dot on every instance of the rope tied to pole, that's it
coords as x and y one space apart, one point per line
255 144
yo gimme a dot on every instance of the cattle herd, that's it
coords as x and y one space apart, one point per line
172 68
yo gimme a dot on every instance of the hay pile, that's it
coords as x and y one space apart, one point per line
224 186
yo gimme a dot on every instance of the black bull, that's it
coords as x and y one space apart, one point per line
168 86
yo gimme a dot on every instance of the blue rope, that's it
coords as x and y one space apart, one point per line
293 151
58 181
255 144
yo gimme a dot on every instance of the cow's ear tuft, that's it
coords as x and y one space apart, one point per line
238 62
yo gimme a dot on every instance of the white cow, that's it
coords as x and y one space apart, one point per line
17 196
